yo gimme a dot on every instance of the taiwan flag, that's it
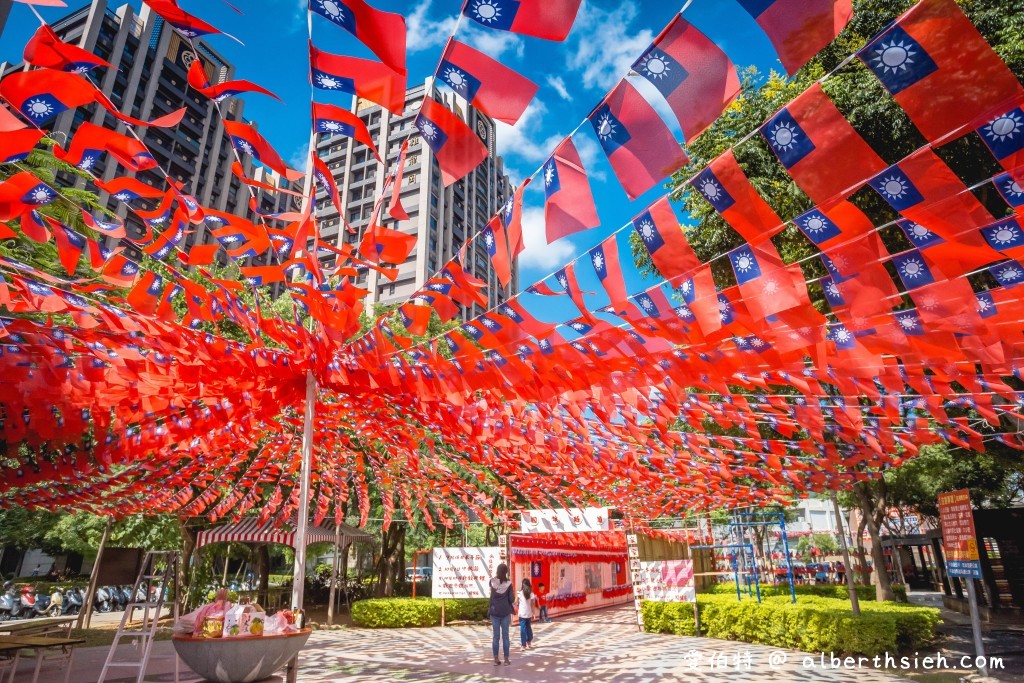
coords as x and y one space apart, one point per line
46 49
15 145
221 91
605 259
568 202
125 189
1004 136
548 19
726 187
819 148
529 324
247 140
639 145
567 279
333 120
325 179
457 148
488 85
364 78
1010 189
693 74
663 237
799 29
496 242
91 141
382 32
188 25
767 285
937 66
23 192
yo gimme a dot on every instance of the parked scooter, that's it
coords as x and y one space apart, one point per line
27 602
10 605
51 605
103 601
73 600
121 596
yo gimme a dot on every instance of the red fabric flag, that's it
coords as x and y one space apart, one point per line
189 25
9 122
819 148
767 285
395 208
221 91
799 29
16 145
263 275
726 187
496 241
387 245
91 141
415 318
529 324
512 216
1004 136
567 278
120 271
325 179
383 32
199 255
126 189
330 119
693 74
46 49
548 19
23 192
247 140
144 297
639 145
487 84
663 237
70 246
605 259
43 93
939 68
568 202
456 147
362 77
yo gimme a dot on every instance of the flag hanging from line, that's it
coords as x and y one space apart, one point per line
383 32
364 78
548 19
568 202
455 146
490 86
799 29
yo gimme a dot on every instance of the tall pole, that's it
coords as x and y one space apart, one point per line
85 617
299 576
851 586
334 574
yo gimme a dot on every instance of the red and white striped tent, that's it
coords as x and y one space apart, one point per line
249 530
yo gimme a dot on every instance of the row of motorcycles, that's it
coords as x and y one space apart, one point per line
24 603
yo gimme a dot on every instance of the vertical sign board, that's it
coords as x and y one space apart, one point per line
463 572
958 539
633 553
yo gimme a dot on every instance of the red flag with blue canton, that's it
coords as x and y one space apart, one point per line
496 241
568 202
767 285
938 67
726 187
325 179
333 120
663 237
364 78
567 278
639 145
799 29
487 84
1004 136
23 192
819 148
457 148
46 49
15 145
548 19
693 74
221 91
247 140
383 32
187 24
91 141
605 259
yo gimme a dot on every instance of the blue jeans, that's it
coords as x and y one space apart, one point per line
525 630
543 612
500 625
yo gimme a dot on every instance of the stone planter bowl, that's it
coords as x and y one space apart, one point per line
239 660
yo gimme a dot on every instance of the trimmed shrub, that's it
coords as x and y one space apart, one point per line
418 612
812 624
822 590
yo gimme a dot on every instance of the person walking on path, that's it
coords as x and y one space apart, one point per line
527 606
500 610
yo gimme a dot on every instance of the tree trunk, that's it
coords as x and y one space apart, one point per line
263 572
392 540
862 557
188 548
873 508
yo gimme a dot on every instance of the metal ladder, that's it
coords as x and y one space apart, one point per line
150 576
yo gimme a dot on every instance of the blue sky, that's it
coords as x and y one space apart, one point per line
573 76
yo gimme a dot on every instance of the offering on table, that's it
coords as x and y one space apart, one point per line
213 626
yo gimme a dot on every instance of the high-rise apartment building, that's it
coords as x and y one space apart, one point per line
442 219
149 79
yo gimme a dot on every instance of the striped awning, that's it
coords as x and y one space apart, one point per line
251 531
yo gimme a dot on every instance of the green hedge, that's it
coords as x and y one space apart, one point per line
812 624
821 590
408 612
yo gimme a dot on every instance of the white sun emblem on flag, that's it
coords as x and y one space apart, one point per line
646 303
908 322
1013 188
427 129
549 173
912 268
331 126
328 82
771 287
1004 127
130 269
757 342
606 126
919 231
455 78
123 196
245 147
894 56
893 187
488 11
41 195
984 305
87 162
508 311
579 327
1010 273
333 10
1006 234
489 239
723 306
710 189
564 281
488 323
647 231
743 262
833 290
814 224
80 69
655 66
784 136
598 261
38 108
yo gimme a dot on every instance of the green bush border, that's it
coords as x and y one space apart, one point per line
418 612
838 591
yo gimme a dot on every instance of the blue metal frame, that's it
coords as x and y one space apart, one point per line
742 520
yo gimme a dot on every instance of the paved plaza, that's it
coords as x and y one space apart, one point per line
598 646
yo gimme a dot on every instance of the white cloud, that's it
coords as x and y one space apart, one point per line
423 32
538 253
300 157
558 84
602 46
493 43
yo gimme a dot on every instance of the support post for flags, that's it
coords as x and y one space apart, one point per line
854 602
299 576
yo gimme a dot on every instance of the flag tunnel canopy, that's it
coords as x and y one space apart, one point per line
135 377
250 530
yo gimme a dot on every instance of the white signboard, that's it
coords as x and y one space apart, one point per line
667 581
561 520
463 572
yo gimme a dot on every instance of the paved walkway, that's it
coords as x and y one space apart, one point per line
599 646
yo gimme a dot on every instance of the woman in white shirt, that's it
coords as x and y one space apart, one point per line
526 603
